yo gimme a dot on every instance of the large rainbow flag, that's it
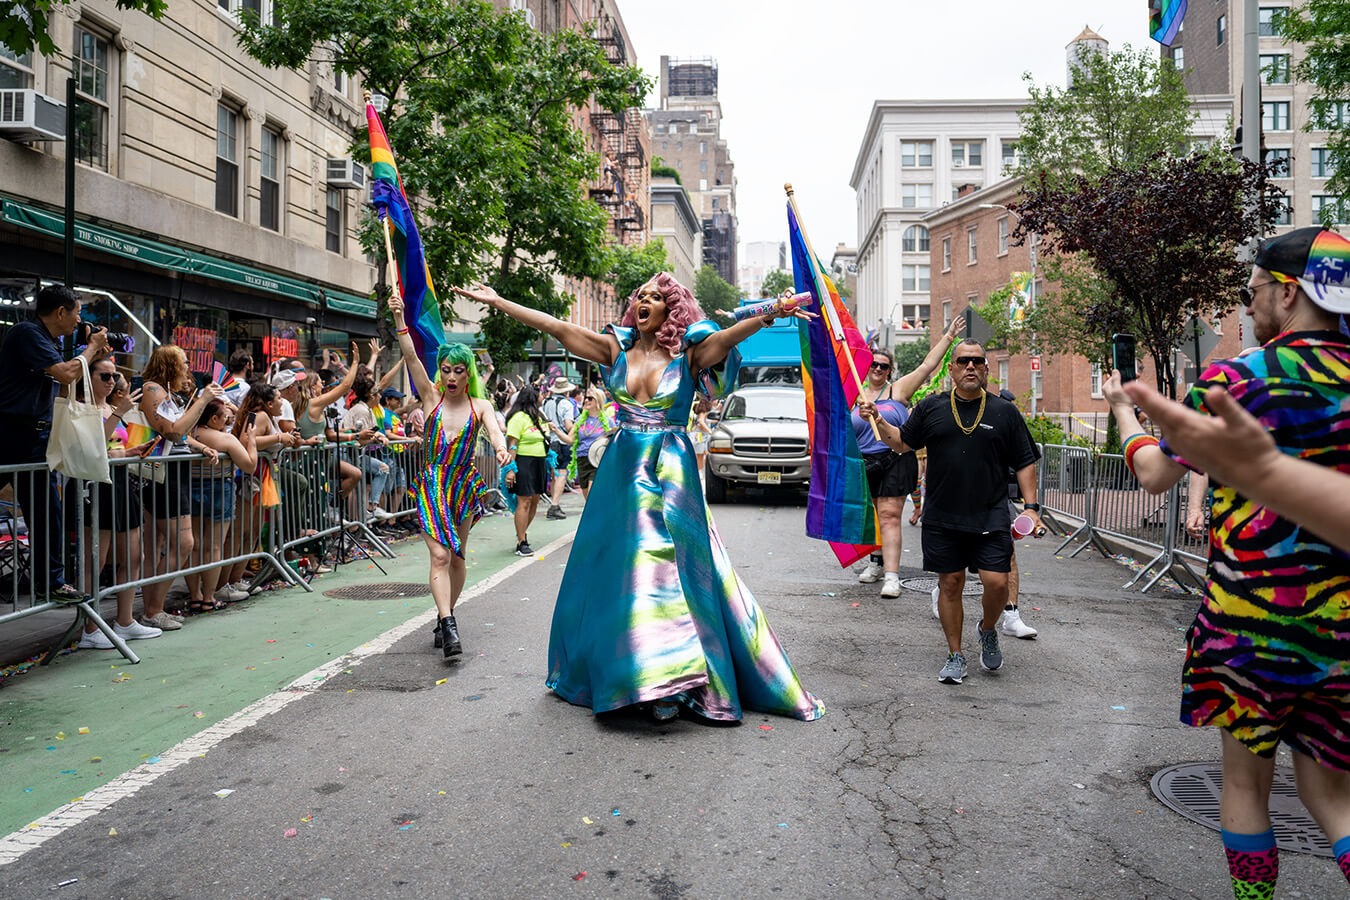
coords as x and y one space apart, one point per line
421 310
839 506
1164 20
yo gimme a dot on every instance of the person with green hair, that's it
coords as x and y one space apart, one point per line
449 490
594 422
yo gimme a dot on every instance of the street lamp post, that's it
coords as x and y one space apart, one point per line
1031 290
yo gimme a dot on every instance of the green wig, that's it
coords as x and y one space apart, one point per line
458 354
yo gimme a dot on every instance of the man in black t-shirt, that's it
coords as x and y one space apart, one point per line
31 371
973 438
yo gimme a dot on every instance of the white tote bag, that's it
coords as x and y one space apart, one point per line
77 447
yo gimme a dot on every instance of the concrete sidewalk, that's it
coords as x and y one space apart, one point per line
90 716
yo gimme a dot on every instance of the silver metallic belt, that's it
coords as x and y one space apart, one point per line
643 428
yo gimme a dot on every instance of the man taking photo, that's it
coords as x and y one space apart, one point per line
31 372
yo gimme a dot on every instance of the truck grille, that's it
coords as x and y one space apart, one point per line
769 446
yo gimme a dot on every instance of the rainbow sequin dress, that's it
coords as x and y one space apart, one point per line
649 606
450 490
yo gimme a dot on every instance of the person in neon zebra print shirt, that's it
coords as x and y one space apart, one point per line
1268 657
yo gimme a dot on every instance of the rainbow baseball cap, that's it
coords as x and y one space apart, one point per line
1318 259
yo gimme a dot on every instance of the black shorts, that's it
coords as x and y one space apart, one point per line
585 471
948 550
564 452
532 476
891 474
170 499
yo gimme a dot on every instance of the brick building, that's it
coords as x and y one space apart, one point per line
972 255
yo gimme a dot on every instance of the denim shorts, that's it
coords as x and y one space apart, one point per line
213 498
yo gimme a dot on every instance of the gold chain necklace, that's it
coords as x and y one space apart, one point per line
978 416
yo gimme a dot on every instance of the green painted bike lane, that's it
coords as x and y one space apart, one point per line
89 717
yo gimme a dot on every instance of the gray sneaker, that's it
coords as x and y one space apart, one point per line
991 657
955 669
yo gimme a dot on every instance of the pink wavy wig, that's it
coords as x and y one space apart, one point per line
682 310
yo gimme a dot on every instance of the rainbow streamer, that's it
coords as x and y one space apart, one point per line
1164 20
839 507
421 310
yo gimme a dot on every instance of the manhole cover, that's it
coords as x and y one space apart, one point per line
926 584
389 590
1192 789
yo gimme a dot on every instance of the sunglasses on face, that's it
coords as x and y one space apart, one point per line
881 367
962 361
107 376
1247 295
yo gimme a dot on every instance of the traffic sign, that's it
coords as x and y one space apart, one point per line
1200 340
1035 364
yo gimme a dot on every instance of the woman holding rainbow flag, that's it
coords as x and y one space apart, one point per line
449 489
652 612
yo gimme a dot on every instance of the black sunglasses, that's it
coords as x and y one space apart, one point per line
1247 295
881 367
962 361
107 376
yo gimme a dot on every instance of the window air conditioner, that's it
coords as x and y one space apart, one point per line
27 116
346 174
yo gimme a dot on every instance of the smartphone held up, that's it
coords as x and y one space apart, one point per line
1122 356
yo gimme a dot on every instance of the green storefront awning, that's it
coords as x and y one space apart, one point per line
177 259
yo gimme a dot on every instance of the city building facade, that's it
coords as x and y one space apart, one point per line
1209 50
677 225
216 205
916 155
685 132
757 259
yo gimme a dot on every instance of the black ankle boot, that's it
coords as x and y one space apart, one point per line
436 635
450 645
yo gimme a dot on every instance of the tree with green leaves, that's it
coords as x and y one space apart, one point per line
1136 236
1124 107
24 23
714 293
632 267
480 116
909 355
775 282
1323 28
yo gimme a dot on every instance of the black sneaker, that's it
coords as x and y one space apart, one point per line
523 549
65 593
555 512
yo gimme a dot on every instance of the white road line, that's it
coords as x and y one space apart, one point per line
15 845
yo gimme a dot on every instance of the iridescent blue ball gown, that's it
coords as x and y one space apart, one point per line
650 607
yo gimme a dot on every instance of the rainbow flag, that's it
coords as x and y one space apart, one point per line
839 507
1164 20
421 310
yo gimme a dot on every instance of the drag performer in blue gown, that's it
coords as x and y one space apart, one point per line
650 610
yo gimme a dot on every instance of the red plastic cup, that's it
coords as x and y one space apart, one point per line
1023 525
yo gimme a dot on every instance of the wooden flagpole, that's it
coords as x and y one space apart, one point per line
825 309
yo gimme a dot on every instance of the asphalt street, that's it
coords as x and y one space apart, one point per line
402 775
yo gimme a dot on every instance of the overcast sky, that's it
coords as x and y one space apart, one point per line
797 79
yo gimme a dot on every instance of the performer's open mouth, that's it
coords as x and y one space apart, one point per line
643 314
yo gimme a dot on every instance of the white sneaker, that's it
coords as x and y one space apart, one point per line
240 587
872 573
937 591
134 632
1011 623
891 586
378 513
95 641
227 594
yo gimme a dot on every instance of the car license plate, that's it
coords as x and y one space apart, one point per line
770 477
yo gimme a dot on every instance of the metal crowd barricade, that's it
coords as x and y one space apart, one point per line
406 458
356 534
1101 492
485 461
35 539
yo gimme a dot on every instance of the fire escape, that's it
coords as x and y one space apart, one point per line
624 166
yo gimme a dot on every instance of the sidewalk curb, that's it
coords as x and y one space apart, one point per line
18 843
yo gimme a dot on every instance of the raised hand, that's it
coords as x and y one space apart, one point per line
958 325
480 293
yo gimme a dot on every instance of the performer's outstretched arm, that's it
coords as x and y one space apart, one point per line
713 349
590 345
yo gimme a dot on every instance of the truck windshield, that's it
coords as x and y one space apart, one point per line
767 405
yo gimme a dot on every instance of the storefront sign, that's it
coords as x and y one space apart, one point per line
200 346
